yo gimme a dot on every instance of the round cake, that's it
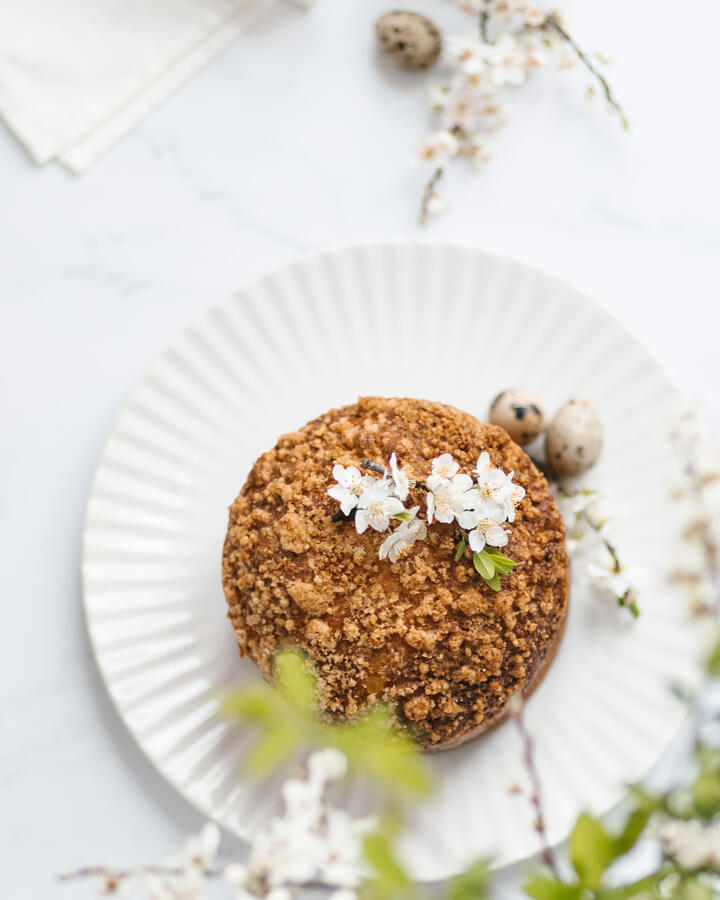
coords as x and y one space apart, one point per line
425 633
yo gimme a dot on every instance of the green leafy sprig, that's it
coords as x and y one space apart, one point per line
489 563
287 720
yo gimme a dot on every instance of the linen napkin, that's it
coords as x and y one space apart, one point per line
76 75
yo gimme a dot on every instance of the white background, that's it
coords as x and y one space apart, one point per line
296 139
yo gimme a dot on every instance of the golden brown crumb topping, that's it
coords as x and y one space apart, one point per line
425 634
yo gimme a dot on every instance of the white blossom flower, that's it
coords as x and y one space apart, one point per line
468 53
444 466
310 842
403 537
461 111
436 204
472 6
608 578
350 485
511 15
400 480
343 848
479 151
376 506
494 115
327 765
507 62
691 843
495 487
447 497
485 521
492 483
439 148
200 850
235 874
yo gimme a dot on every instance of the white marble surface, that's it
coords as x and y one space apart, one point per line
296 139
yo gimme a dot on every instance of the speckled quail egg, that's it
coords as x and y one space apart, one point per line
412 40
520 412
574 438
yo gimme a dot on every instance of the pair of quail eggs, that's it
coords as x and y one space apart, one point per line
573 437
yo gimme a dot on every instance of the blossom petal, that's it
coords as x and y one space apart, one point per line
476 539
379 522
468 519
430 507
392 506
496 536
362 520
462 482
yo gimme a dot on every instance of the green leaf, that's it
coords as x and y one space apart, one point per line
642 888
376 749
713 663
500 559
404 516
254 703
634 825
592 850
461 548
706 791
691 888
540 888
493 582
503 564
628 601
271 750
484 566
472 884
389 879
294 680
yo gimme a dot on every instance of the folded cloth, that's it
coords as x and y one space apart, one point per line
76 75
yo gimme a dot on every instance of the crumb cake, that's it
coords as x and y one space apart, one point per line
423 634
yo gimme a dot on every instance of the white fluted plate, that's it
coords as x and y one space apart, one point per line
417 319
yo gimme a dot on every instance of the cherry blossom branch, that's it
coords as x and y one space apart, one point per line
626 599
624 595
699 490
113 878
552 21
528 746
500 55
118 875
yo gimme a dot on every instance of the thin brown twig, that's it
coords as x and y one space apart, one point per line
552 21
536 795
126 874
381 470
428 194
374 467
